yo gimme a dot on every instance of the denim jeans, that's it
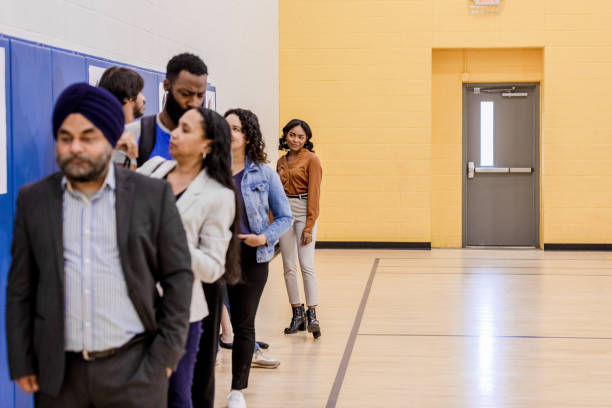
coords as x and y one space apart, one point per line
179 392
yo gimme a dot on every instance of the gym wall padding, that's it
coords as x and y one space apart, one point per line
67 69
150 92
6 226
32 101
36 74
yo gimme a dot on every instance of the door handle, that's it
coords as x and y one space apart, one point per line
496 170
521 170
492 170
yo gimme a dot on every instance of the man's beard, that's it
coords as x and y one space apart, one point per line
174 110
92 171
138 112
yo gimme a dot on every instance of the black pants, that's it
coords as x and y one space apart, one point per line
129 379
203 388
244 300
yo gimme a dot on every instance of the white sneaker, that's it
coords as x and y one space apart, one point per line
263 361
235 399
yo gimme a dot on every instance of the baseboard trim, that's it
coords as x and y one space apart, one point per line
372 245
578 247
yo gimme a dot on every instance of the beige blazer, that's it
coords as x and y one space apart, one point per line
207 210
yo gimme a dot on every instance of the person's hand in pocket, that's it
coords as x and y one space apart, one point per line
253 240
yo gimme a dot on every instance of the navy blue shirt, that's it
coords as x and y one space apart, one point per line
244 222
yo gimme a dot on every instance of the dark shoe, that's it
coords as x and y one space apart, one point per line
225 345
313 323
229 346
298 321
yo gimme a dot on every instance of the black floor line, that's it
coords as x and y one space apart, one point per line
477 336
350 344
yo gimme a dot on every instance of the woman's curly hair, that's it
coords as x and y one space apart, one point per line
282 143
255 148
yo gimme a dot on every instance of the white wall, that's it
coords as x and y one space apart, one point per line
237 39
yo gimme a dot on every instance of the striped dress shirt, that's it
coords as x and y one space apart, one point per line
99 314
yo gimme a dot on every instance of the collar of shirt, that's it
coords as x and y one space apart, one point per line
303 152
161 125
249 165
109 183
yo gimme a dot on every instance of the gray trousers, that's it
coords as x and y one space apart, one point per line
293 251
129 379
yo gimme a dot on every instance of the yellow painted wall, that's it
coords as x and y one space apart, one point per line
360 71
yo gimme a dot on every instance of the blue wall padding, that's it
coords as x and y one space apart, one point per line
68 68
31 97
36 75
6 232
32 101
150 91
97 62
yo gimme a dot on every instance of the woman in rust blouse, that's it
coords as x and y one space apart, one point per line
300 172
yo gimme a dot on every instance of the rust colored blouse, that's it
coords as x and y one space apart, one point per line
303 176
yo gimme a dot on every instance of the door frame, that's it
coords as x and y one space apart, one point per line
536 151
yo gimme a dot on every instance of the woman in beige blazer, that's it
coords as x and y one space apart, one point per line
201 179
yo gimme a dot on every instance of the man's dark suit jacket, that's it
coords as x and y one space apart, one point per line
152 247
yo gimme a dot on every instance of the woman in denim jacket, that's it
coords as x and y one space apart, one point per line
261 192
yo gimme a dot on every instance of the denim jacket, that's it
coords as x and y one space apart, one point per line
262 191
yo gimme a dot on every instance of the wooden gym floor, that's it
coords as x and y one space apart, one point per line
441 328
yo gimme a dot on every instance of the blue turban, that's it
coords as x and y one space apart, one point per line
98 105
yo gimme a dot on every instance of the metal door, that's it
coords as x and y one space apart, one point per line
501 163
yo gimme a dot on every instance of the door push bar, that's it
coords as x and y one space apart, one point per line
498 170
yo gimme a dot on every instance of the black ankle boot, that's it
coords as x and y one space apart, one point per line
313 323
298 321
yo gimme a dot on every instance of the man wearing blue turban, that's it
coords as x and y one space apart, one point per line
85 323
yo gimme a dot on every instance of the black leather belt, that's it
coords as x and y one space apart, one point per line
301 196
98 355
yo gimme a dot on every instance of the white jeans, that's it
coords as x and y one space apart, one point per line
292 250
